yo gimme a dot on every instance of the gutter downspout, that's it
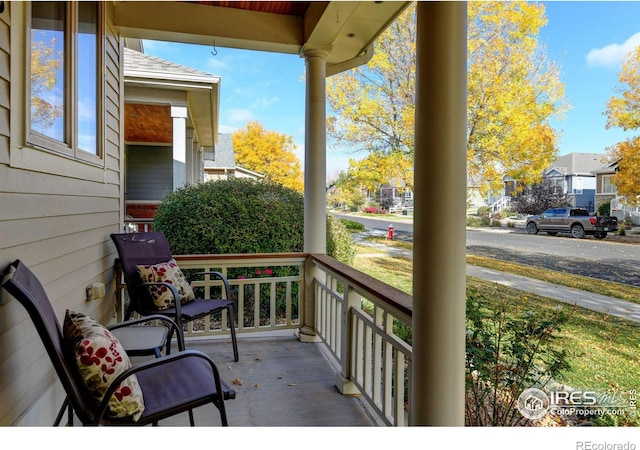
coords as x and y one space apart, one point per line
363 58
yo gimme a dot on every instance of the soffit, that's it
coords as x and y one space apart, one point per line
345 29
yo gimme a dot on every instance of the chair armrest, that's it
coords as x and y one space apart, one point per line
168 322
227 393
220 275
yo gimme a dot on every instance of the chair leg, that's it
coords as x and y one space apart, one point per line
223 412
191 421
232 327
61 412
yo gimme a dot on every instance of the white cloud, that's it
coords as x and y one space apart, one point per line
238 116
227 129
217 65
612 55
264 102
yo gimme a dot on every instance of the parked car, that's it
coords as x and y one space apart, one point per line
577 221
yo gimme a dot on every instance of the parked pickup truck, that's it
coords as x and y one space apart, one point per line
576 221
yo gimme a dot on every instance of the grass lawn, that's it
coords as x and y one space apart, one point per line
603 350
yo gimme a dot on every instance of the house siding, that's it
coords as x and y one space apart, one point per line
4 83
57 216
149 172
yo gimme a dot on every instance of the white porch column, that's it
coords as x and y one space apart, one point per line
190 160
179 116
439 279
315 170
315 156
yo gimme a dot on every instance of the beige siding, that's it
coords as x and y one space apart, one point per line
4 83
56 216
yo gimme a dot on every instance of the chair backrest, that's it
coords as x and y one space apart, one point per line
22 284
135 249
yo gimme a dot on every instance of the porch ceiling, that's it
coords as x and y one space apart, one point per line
148 123
346 29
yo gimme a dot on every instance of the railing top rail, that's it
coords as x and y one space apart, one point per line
243 256
399 300
244 259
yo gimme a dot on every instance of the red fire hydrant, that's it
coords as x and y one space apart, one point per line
390 232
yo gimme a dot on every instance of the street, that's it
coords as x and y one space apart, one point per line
602 259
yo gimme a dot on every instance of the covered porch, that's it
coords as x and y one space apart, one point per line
336 307
351 369
337 36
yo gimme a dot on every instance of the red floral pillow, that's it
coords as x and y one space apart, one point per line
100 358
166 272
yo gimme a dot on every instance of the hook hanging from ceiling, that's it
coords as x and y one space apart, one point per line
214 52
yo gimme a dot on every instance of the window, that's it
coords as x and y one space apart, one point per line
556 185
64 78
607 184
578 183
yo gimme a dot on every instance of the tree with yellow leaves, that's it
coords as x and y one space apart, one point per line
269 153
513 92
46 64
623 111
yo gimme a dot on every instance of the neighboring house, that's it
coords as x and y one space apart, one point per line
605 189
170 121
606 192
221 163
572 175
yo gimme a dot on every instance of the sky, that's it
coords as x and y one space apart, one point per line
587 39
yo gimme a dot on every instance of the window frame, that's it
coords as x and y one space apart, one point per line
70 147
612 186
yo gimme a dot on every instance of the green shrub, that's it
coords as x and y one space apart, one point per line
339 241
475 221
352 226
604 209
241 216
232 216
509 347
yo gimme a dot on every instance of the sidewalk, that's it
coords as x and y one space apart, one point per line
584 299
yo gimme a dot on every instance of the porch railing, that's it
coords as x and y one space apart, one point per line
356 317
624 211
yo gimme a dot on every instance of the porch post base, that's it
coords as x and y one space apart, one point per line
308 335
346 387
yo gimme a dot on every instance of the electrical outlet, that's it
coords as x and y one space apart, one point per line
95 291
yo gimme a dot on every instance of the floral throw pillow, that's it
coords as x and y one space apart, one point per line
167 272
100 358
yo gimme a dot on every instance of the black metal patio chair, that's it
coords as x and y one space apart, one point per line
168 385
145 336
155 283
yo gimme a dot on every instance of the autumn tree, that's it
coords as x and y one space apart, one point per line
513 92
45 65
538 197
371 173
623 111
627 178
373 110
269 153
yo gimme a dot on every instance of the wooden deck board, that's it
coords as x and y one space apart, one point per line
282 382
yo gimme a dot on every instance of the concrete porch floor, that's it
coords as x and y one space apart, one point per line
280 382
